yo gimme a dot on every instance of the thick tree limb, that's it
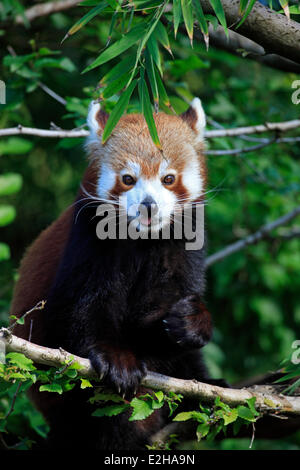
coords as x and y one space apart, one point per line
45 9
266 400
239 45
274 32
263 232
235 132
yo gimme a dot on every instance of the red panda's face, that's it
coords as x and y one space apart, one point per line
134 174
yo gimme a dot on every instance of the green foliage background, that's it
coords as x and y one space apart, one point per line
254 294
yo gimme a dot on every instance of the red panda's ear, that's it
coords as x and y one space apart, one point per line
96 119
195 118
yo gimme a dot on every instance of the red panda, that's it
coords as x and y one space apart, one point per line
127 305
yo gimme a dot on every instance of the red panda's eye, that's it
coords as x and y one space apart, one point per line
169 179
128 180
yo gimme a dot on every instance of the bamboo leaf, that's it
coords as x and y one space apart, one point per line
152 78
202 21
154 23
114 4
117 112
122 67
285 6
111 27
151 27
242 6
177 14
294 10
115 86
219 11
161 35
154 52
85 19
247 12
147 110
118 47
163 96
187 12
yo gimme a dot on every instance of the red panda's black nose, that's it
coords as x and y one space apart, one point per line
150 205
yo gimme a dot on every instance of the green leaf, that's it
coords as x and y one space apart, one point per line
161 35
213 20
7 214
202 430
63 63
251 403
10 183
15 146
14 62
153 49
201 20
242 6
151 26
292 387
163 97
118 110
285 6
230 417
151 77
159 395
141 409
85 383
177 13
98 397
178 68
114 4
53 387
187 12
21 361
147 110
111 410
115 86
186 415
294 10
85 19
247 12
4 252
118 70
71 373
118 47
219 11
245 413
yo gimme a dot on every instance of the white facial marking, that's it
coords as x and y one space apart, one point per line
150 188
201 119
163 167
132 169
92 122
106 181
191 178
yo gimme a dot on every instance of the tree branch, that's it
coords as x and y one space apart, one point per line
238 45
266 400
59 133
274 32
252 239
45 9
210 134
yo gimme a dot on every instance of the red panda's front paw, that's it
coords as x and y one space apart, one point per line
189 323
119 369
